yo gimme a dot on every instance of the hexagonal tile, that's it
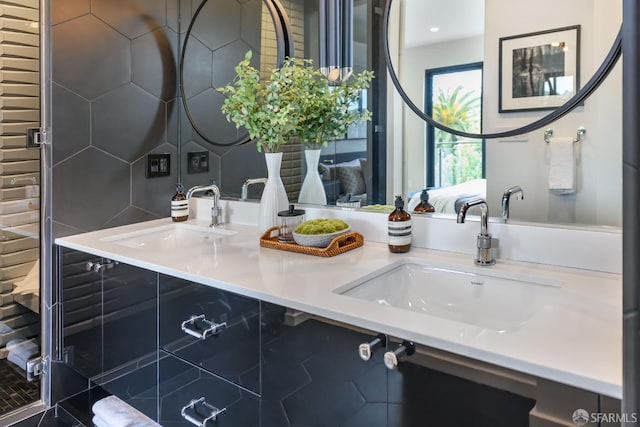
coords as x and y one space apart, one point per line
206 114
128 122
232 176
71 123
218 23
321 403
155 66
174 108
252 23
226 58
281 379
89 57
197 68
372 383
63 10
131 215
177 10
132 18
103 182
154 194
370 415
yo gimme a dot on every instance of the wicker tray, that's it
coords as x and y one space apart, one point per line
338 245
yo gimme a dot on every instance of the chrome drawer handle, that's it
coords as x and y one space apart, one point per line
212 328
197 419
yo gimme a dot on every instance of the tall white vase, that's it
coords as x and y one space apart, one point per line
274 197
312 191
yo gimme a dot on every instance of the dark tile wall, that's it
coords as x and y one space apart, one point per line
115 97
114 90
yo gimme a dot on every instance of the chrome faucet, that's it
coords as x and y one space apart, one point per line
247 183
217 216
506 196
484 238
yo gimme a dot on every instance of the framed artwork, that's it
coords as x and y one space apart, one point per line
539 71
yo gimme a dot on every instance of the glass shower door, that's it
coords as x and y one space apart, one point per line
20 320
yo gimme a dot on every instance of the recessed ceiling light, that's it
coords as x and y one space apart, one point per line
434 29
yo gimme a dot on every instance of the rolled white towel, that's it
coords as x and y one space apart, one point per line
20 351
99 422
24 349
117 413
4 328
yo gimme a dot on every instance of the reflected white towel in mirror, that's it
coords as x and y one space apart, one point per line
562 166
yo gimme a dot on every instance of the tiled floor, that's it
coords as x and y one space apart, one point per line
15 391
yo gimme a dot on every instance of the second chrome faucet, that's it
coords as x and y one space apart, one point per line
506 197
217 213
485 256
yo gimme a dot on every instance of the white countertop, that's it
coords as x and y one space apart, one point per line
575 339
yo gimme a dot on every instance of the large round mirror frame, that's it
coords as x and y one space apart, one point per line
284 48
600 75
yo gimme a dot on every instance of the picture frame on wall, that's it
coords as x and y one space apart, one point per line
539 71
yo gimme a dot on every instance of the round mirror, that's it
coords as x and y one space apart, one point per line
218 36
537 69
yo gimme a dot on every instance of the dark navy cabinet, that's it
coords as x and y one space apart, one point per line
183 353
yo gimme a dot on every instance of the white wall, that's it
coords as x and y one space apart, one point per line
525 163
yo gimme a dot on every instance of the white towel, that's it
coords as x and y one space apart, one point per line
4 328
20 351
116 413
99 422
562 166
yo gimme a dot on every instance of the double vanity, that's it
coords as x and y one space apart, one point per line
531 333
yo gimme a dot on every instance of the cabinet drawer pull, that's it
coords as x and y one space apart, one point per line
199 409
210 328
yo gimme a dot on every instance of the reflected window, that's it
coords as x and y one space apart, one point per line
454 98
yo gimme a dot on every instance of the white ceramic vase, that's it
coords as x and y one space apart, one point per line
312 190
274 197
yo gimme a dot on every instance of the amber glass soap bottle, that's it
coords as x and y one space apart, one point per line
179 205
399 228
424 206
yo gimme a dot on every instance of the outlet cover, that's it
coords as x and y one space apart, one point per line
198 162
158 165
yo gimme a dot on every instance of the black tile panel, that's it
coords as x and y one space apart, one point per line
86 46
154 62
140 17
128 122
71 123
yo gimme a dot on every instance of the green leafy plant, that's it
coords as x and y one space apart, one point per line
267 110
326 111
296 100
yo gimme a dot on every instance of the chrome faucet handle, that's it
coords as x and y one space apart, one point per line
217 216
484 250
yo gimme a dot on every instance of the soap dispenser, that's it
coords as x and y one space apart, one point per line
424 206
399 227
179 205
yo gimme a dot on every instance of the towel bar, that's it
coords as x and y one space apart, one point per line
581 131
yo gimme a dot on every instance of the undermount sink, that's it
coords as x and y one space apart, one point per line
497 300
175 236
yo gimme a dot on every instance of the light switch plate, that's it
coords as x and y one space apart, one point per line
198 162
158 165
